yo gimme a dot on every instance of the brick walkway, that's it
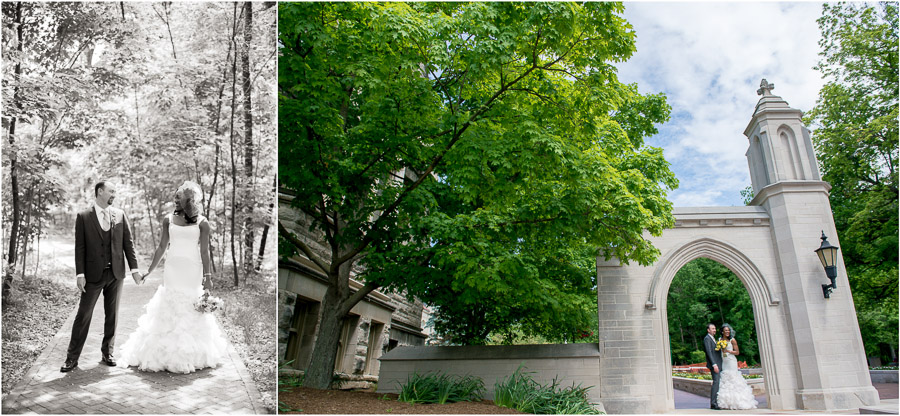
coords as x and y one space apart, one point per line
94 388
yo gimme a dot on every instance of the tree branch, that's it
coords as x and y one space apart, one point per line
356 297
291 238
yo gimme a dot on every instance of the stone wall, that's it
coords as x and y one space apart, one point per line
883 376
568 363
286 304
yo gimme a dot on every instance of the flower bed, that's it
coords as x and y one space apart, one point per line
707 376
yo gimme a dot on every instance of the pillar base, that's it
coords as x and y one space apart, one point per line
837 399
627 405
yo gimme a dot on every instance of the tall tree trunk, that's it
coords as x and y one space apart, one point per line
721 313
212 194
150 218
218 118
28 218
246 90
265 232
231 142
137 114
165 20
216 123
13 174
320 372
222 229
37 260
336 305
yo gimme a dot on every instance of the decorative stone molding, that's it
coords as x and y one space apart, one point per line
720 251
790 186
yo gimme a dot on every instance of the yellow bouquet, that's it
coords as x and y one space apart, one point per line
721 345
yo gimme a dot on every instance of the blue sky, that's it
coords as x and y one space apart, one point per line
708 58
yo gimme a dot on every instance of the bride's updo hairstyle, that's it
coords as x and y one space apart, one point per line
190 196
730 331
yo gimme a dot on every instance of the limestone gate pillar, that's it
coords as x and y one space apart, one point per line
831 369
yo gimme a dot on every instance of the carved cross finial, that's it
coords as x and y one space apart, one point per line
765 89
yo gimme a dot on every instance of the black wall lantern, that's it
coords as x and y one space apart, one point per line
828 256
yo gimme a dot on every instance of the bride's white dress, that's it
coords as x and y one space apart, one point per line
734 393
172 335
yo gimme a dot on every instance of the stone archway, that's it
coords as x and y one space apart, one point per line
760 290
810 346
738 238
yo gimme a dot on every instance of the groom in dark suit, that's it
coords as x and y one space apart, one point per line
713 363
102 245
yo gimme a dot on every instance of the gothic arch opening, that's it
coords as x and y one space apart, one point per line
705 291
761 293
790 167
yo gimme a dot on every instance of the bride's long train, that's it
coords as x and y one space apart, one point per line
734 392
174 337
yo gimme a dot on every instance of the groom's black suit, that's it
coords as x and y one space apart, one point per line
100 255
712 357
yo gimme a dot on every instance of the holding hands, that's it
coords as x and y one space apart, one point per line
138 279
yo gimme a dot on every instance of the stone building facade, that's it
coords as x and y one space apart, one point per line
380 323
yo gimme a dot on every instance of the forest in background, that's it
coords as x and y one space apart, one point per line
146 95
702 292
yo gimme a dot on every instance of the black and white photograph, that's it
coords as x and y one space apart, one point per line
138 191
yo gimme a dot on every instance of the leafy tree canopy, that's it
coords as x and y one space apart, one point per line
856 138
474 154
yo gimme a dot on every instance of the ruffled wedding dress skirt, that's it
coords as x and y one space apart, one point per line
734 393
171 335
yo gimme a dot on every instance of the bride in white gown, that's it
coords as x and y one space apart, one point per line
734 393
172 335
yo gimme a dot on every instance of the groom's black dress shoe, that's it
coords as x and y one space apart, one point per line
108 360
68 366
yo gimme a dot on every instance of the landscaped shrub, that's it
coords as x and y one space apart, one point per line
522 393
441 388
286 383
707 376
698 357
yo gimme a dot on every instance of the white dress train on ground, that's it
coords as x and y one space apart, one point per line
734 393
171 335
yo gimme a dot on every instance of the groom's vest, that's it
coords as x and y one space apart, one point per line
106 243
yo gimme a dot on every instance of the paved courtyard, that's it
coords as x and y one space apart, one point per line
688 403
94 388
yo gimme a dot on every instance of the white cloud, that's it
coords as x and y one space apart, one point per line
708 58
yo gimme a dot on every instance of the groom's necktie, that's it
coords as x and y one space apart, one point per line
105 222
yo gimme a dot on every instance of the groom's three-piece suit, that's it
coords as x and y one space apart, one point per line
102 245
712 357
